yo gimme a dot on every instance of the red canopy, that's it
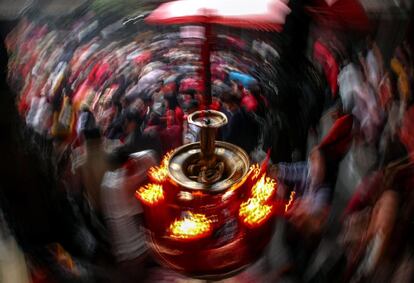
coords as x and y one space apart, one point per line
268 15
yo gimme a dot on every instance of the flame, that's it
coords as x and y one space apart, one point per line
253 212
264 188
191 226
160 173
150 194
255 171
291 198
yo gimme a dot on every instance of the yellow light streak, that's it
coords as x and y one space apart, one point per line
291 198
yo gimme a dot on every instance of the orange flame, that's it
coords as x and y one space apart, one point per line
255 171
160 173
291 198
264 188
253 212
190 227
150 194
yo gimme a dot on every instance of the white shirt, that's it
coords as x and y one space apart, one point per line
120 206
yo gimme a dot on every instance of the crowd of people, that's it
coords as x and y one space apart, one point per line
101 93
103 100
371 136
137 91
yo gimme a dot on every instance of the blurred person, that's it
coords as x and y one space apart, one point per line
171 134
152 124
359 124
385 201
86 121
390 144
374 64
215 104
385 92
308 215
328 62
93 168
173 106
107 118
112 122
263 102
151 129
123 214
191 133
133 138
140 106
248 101
399 69
308 179
34 200
238 121
244 79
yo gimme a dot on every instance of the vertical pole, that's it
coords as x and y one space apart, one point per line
205 57
207 143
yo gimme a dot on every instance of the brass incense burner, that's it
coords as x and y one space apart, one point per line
208 165
206 205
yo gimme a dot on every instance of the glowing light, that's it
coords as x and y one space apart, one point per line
264 188
291 198
186 196
150 194
227 195
63 257
255 171
160 173
253 212
190 227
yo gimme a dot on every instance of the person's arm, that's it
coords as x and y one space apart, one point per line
289 172
311 211
320 200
